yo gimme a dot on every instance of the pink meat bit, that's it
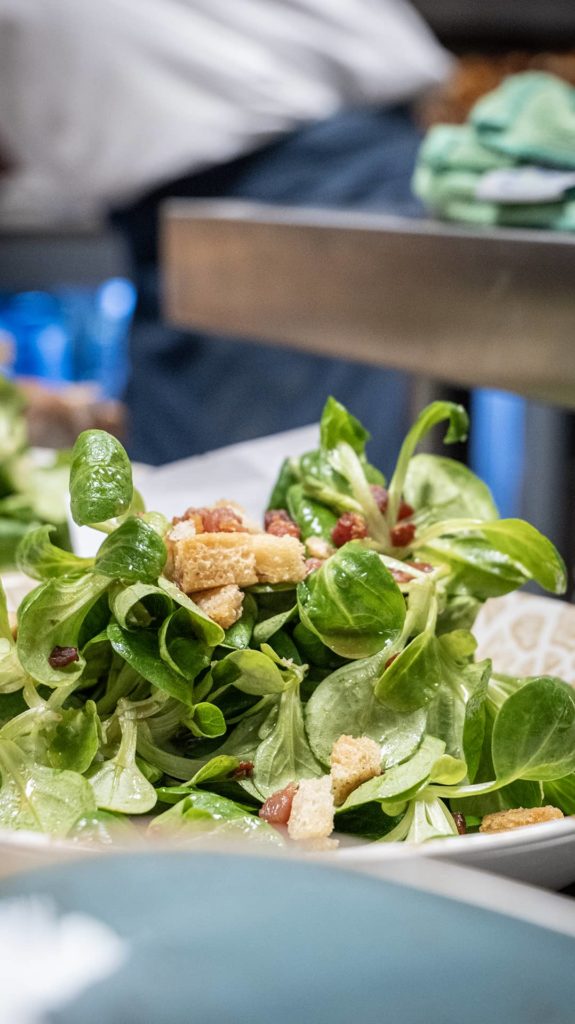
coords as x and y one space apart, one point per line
221 519
381 497
278 522
405 511
350 526
60 657
277 808
244 770
400 576
460 823
311 564
421 566
402 535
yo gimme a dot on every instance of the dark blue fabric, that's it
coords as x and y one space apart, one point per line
191 392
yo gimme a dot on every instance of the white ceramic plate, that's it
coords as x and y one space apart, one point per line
522 634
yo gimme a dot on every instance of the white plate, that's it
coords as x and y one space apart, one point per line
524 635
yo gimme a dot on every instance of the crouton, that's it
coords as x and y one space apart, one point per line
312 810
317 547
278 559
504 821
353 761
210 560
222 604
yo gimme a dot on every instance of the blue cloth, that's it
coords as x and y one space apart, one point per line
191 392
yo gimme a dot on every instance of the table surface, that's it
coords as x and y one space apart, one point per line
471 307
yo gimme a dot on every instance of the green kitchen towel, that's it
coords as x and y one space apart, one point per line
523 135
530 117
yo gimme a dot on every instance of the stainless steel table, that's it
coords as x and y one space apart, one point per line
492 308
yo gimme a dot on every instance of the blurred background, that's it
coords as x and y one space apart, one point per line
107 110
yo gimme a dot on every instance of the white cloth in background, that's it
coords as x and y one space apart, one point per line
102 99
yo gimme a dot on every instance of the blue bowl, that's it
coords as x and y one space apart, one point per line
221 939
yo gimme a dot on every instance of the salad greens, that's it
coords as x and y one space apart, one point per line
120 696
30 494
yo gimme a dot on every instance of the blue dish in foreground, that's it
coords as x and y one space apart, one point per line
219 938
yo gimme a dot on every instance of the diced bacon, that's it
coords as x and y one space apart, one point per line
460 824
422 566
60 657
405 511
277 808
311 564
219 519
391 660
402 535
244 770
350 526
278 522
400 576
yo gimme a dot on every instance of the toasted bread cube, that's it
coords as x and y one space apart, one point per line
210 560
353 761
222 604
504 821
278 559
312 810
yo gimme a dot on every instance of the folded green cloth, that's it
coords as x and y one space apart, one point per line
530 117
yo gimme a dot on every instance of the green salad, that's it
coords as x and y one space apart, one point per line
345 698
30 494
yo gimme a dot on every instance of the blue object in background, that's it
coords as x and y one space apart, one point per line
99 320
42 343
497 446
71 334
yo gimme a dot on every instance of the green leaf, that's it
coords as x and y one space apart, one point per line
345 704
40 799
100 478
402 781
205 627
287 476
5 629
139 605
201 813
413 677
249 671
534 733
561 793
141 651
491 559
218 768
313 518
207 720
433 414
338 425
267 628
134 552
285 755
53 616
118 784
352 603
75 740
442 488
457 712
181 648
39 558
